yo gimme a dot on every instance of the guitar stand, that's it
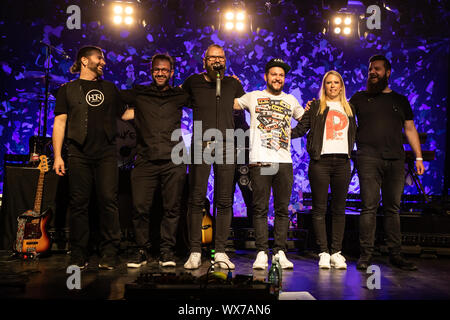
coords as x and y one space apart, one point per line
412 172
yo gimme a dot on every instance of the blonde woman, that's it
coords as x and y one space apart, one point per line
332 129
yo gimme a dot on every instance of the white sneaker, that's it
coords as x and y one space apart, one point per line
223 261
284 262
324 262
261 261
194 261
338 261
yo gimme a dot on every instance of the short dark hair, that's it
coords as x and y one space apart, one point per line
378 57
162 56
83 52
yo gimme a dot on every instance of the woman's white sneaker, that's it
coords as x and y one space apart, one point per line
261 261
338 261
223 261
324 262
194 261
284 262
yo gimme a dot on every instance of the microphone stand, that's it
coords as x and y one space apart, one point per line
216 175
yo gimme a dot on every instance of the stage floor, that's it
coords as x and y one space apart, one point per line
46 278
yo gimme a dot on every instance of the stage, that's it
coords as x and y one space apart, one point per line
46 278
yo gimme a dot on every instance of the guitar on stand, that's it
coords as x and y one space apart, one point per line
32 238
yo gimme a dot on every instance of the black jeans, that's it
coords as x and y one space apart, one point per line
198 187
84 175
388 176
146 177
329 171
281 184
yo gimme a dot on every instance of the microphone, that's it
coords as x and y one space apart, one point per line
62 52
218 67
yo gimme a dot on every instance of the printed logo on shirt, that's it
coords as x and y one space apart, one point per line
95 98
274 118
335 123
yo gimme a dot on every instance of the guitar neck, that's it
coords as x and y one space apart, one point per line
40 188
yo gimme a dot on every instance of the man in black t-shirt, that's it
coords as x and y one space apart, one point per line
86 111
157 111
382 114
211 113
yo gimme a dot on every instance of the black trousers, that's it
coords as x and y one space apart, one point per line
146 177
84 175
329 171
281 184
388 176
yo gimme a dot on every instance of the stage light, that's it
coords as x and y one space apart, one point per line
117 19
234 20
348 20
123 13
118 9
347 30
337 20
128 10
342 24
337 30
229 15
128 20
240 16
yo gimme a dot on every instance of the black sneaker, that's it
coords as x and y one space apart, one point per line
167 260
79 261
107 262
137 259
398 261
363 263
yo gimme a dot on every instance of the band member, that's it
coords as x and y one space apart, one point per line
271 112
331 128
202 89
382 115
157 112
87 108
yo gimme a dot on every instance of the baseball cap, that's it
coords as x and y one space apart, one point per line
278 63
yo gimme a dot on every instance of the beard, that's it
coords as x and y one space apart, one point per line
94 68
377 87
213 73
164 84
272 88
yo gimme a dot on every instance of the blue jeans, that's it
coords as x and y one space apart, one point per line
388 176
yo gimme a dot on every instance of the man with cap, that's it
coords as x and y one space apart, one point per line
271 111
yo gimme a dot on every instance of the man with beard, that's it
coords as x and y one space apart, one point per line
157 113
88 107
382 114
211 113
271 112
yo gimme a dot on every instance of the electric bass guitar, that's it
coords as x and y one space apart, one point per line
32 237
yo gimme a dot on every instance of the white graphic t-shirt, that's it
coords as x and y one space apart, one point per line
335 135
270 125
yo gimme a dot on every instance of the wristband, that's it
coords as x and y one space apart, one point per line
417 159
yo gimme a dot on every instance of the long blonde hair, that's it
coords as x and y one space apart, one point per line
342 98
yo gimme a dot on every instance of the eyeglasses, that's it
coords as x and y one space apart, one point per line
162 70
213 58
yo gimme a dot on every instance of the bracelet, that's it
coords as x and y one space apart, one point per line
417 159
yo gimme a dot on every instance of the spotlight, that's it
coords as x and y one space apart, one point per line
348 20
123 13
117 19
337 20
235 20
118 9
337 30
342 24
347 30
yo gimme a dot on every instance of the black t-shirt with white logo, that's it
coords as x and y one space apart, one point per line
96 143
